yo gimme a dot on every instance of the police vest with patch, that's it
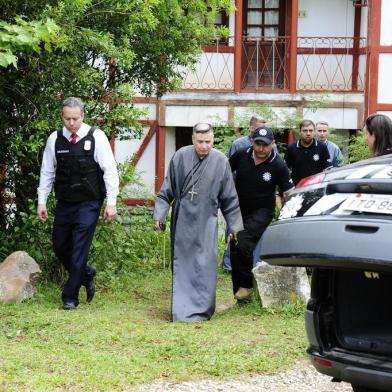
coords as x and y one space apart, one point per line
78 177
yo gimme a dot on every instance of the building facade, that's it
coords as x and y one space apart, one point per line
283 53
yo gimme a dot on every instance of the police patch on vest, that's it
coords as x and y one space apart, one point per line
87 145
316 157
267 176
62 151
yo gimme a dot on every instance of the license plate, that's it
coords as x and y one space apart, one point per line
380 204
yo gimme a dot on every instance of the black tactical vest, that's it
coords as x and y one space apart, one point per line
78 177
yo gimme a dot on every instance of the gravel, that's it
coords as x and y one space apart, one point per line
301 378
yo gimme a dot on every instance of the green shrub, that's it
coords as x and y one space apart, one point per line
358 149
127 245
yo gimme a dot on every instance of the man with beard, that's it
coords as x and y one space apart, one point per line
306 156
259 170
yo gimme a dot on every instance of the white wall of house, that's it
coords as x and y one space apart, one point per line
364 21
188 116
323 72
170 145
387 113
339 118
385 78
214 71
331 18
385 61
232 29
362 69
148 108
280 114
386 26
124 151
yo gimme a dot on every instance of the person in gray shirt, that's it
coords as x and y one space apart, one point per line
336 156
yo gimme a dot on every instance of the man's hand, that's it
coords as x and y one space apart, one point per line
232 237
110 213
42 212
158 225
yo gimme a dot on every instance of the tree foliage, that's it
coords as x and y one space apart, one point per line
25 36
99 50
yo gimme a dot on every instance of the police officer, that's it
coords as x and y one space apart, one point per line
259 170
79 161
307 156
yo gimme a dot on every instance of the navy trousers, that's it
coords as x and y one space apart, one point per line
73 231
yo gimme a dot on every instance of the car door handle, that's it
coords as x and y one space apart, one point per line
361 229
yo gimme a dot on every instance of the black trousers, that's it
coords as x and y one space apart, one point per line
241 252
73 231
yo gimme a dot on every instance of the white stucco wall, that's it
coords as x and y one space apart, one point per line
386 25
281 114
124 150
214 71
170 145
387 113
364 21
385 78
148 108
188 116
339 118
333 18
324 72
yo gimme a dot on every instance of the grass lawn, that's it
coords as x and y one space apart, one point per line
124 338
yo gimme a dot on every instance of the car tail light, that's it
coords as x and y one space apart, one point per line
323 362
311 180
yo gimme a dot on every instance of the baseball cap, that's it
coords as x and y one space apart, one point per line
263 134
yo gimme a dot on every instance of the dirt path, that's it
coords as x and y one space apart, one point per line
301 378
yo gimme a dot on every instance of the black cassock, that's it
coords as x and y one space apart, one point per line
196 188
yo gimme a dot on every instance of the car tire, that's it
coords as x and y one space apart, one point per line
357 388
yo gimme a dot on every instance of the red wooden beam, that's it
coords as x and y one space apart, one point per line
238 46
160 157
138 202
383 107
385 49
357 34
218 49
371 80
144 144
293 46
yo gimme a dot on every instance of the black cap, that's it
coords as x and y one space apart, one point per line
263 134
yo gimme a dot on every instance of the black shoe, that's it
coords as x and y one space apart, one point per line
69 305
90 290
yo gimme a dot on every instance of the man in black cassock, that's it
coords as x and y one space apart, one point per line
198 182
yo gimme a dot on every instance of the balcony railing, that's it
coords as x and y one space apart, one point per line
265 63
331 63
323 64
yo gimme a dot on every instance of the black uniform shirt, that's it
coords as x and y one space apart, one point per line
256 184
306 161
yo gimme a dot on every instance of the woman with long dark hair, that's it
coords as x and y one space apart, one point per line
378 134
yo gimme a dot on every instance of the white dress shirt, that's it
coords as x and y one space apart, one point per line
103 155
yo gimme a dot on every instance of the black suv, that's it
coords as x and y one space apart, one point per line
339 224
